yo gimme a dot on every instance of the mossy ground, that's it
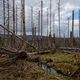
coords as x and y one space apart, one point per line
68 64
24 70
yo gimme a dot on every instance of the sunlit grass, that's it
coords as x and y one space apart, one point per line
62 57
68 64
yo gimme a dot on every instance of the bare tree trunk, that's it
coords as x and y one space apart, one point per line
4 19
13 36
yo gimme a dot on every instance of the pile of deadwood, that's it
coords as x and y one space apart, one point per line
13 56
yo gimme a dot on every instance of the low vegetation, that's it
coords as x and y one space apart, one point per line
24 70
68 64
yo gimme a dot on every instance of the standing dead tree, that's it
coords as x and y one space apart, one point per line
23 19
47 28
50 16
16 21
53 28
13 35
59 17
8 26
32 25
47 23
4 19
39 30
50 37
68 27
79 23
41 23
73 28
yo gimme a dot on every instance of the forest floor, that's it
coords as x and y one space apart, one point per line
24 69
67 64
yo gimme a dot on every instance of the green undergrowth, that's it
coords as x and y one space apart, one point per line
62 57
24 70
65 63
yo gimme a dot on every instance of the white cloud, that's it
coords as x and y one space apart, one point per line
66 11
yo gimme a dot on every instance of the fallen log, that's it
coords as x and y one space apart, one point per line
13 56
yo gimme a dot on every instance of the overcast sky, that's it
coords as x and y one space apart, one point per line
66 11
